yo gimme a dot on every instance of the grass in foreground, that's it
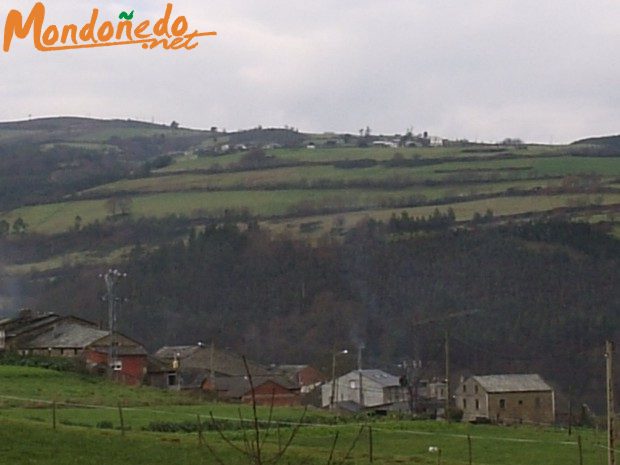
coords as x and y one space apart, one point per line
30 442
27 436
50 385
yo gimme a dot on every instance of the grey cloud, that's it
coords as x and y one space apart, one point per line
485 69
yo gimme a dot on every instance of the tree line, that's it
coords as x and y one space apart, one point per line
546 292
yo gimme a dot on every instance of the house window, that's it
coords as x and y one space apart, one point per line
520 402
352 384
476 389
464 388
477 404
464 404
502 404
117 365
172 379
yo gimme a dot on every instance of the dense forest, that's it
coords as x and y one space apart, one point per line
545 294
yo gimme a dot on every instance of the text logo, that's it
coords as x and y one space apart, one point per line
166 32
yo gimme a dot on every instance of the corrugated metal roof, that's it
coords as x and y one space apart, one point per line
512 383
380 377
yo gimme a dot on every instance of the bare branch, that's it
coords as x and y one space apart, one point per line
249 446
331 452
269 419
214 454
223 436
353 444
299 424
254 413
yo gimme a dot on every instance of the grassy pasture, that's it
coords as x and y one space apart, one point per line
282 191
306 177
53 218
43 384
69 259
394 442
26 434
502 206
326 155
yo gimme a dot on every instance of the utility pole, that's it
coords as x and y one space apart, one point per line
360 347
111 279
211 365
609 352
447 347
332 396
447 350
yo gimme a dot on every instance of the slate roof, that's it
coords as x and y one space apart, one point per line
67 334
122 350
512 383
237 386
170 352
199 358
20 325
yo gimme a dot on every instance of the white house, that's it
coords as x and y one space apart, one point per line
378 388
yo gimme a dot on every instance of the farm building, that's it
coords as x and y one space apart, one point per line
507 399
378 389
306 377
67 336
186 367
268 390
22 327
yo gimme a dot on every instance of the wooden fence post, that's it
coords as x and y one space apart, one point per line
580 448
469 448
370 445
120 414
200 439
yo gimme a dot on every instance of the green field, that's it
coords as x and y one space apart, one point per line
302 193
91 434
326 155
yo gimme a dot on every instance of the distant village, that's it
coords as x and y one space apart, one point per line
223 375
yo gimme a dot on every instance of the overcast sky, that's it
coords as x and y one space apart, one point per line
544 70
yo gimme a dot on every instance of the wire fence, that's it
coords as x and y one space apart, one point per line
362 442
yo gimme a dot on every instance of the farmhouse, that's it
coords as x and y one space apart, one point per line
507 399
378 389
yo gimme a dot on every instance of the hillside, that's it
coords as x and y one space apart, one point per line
611 143
276 243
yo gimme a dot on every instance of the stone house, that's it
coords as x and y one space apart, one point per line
506 399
